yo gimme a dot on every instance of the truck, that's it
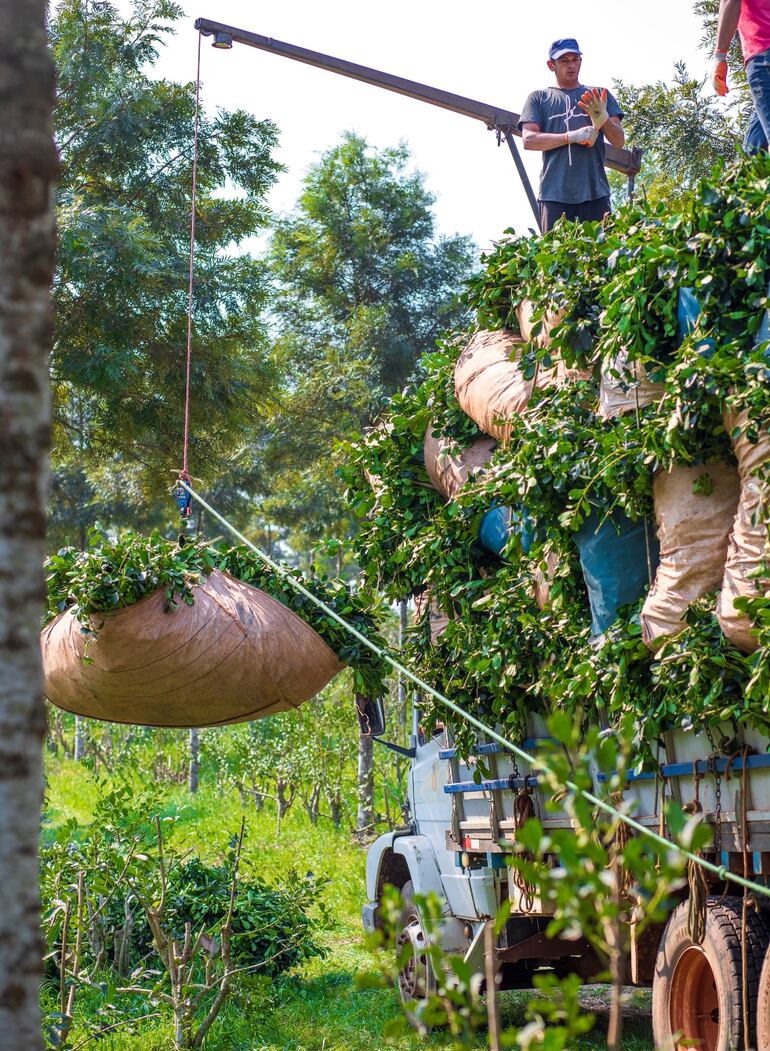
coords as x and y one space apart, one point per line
460 825
459 829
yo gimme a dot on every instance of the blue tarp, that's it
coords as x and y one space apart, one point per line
613 556
497 525
687 312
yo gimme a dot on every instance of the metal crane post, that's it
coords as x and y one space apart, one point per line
524 178
502 121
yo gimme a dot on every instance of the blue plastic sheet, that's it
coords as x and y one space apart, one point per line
613 557
499 523
687 311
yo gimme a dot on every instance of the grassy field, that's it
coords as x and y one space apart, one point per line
317 1007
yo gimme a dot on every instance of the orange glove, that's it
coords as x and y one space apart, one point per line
719 72
594 104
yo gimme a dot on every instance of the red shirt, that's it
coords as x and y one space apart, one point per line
754 27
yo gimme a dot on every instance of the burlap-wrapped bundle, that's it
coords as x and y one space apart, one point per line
748 548
693 531
626 387
490 386
437 619
543 577
234 654
524 312
449 469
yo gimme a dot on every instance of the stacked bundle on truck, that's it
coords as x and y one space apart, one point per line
694 511
748 553
449 467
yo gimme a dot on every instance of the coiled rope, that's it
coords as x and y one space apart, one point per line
718 870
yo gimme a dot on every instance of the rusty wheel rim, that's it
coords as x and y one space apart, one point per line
694 1001
413 976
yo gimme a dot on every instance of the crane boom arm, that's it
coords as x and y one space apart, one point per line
495 118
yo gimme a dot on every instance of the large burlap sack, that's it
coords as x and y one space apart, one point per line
748 549
543 577
693 531
235 654
448 468
524 312
625 387
490 386
552 318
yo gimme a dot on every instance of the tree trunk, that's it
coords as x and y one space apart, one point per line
192 773
80 744
334 799
365 812
403 624
27 167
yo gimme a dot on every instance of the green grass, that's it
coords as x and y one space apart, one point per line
317 1007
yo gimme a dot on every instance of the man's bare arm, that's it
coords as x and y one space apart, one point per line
613 132
729 13
535 139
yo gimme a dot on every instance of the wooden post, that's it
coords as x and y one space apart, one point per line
490 974
193 768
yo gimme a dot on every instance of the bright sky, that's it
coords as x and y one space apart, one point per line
487 50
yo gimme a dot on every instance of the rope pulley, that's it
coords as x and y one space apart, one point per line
183 496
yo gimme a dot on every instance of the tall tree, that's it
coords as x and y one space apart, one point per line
118 365
27 167
682 127
365 286
682 131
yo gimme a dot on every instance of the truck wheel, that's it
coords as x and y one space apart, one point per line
697 990
763 1006
415 977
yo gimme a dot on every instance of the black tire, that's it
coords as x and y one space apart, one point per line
763 1006
697 990
409 909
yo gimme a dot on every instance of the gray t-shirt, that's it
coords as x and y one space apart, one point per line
571 174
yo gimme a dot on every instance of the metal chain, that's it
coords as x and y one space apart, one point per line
712 761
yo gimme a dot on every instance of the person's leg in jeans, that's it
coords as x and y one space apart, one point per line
593 211
758 76
552 211
755 139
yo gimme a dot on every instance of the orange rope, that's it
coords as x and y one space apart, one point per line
192 263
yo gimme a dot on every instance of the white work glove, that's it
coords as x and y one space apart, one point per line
719 72
583 136
594 104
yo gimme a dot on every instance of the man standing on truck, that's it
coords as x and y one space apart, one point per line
752 20
569 124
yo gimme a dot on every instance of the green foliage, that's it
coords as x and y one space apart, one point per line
682 129
120 293
112 574
556 1017
127 913
449 988
273 928
613 290
272 925
364 286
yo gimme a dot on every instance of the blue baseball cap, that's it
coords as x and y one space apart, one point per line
564 47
